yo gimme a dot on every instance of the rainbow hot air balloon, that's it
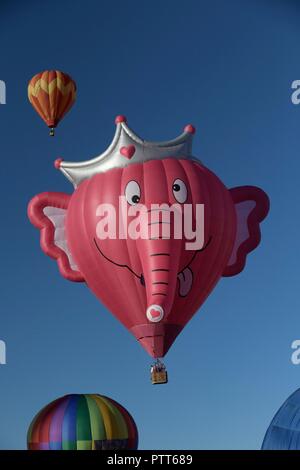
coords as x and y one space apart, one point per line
83 422
52 94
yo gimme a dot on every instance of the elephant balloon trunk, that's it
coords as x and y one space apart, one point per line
160 260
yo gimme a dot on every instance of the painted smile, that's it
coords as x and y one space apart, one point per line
185 276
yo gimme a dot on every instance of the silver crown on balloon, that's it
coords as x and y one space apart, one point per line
126 149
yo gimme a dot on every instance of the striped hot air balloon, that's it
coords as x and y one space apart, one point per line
52 94
83 422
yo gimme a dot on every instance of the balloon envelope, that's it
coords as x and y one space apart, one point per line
150 277
82 422
52 93
284 430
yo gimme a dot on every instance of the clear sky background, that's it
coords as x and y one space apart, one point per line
227 67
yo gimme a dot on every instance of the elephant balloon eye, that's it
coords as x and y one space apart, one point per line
132 193
179 191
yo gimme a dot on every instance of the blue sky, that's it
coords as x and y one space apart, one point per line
227 67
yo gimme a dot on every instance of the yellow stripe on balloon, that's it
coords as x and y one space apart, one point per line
96 419
105 412
33 90
113 425
121 423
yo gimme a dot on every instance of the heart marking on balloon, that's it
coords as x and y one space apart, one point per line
155 313
128 151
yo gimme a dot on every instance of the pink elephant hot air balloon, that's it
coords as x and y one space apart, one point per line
151 282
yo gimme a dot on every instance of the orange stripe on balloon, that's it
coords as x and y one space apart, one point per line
52 94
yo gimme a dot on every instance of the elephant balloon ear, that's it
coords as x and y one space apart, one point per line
252 206
47 212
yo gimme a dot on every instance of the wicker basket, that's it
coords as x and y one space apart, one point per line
159 377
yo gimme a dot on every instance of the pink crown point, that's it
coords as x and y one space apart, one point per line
120 119
190 129
57 163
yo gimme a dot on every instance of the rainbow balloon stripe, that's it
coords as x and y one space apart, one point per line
82 422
